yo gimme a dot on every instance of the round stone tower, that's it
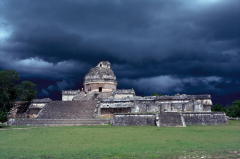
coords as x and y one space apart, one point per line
100 78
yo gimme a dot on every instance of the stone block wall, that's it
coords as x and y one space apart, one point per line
115 104
54 122
133 119
205 118
123 95
106 87
198 106
207 108
68 97
138 106
170 119
189 106
108 112
145 106
231 118
176 107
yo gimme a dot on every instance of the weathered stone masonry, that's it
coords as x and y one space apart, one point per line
133 119
103 99
177 103
169 119
100 78
205 118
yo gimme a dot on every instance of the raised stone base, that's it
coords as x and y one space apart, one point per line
169 119
133 119
52 122
205 118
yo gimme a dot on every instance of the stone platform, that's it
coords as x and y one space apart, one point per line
205 118
55 122
177 119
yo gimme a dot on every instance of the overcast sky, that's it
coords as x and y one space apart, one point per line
162 46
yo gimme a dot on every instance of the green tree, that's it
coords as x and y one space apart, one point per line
8 91
234 110
27 91
231 111
218 108
155 94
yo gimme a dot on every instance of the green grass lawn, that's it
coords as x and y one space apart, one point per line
221 141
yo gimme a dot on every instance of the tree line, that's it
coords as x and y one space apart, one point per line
11 91
231 111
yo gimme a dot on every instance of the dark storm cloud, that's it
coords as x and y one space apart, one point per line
147 40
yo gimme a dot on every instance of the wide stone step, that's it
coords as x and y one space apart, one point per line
27 122
171 119
68 110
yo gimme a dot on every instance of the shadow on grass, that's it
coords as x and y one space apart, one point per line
2 126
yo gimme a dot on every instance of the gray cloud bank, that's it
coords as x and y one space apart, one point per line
153 46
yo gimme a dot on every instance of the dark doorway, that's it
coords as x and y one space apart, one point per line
100 89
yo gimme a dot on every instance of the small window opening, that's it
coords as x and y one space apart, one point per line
100 89
100 65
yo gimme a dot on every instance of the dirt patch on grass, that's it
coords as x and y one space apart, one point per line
26 128
20 128
222 154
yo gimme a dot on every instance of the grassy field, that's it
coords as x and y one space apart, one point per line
193 141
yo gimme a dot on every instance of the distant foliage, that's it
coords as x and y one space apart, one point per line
27 91
218 108
3 116
155 94
234 110
231 111
10 91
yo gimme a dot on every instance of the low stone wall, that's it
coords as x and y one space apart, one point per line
205 118
169 119
52 122
231 118
133 119
108 112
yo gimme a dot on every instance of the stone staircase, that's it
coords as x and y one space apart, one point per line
81 96
171 119
68 110
57 122
64 113
105 95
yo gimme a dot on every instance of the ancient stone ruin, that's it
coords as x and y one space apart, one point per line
101 98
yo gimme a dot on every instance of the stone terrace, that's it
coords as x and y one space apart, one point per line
57 122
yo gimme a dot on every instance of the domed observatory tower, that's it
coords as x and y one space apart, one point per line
100 78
